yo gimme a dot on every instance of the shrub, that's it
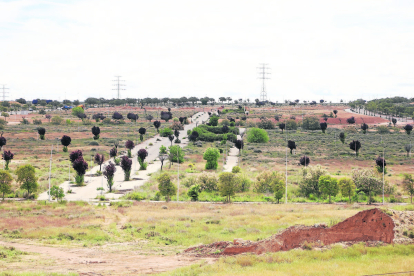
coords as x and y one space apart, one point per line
214 120
133 117
75 155
80 166
309 183
176 154
342 137
323 126
291 145
347 187
5 182
304 160
65 141
106 121
109 173
99 159
291 124
311 123
194 192
113 152
41 131
408 128
282 126
266 124
126 164
129 145
57 192
157 125
166 187
228 185
35 122
408 185
257 135
351 120
117 116
383 130
142 154
394 121
208 182
166 116
211 155
244 183
57 120
166 131
78 111
236 169
380 164
266 181
367 181
142 132
364 128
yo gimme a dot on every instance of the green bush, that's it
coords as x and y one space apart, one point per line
136 196
214 120
194 192
311 123
291 125
211 155
166 131
236 169
257 135
383 129
56 120
266 124
106 121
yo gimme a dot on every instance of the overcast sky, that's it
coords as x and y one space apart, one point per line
316 49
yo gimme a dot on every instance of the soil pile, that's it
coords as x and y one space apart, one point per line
365 226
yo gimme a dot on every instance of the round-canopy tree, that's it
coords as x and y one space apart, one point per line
166 116
211 155
126 165
408 128
113 152
96 131
304 161
5 182
239 145
364 128
7 157
117 116
75 155
99 159
109 173
193 137
142 131
26 176
323 126
355 145
335 112
380 164
342 137
149 117
165 186
328 186
394 121
41 131
133 117
291 145
65 141
129 145
157 125
282 126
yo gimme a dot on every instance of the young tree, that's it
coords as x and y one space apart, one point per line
342 137
323 126
282 126
142 133
80 166
129 145
380 164
65 141
228 185
171 138
364 128
41 132
78 111
278 186
304 160
109 173
133 117
126 165
408 148
176 154
194 192
176 134
56 192
408 128
149 117
48 116
99 159
214 120
3 141
347 187
26 176
394 121
96 131
328 186
7 157
309 183
113 152
211 155
355 145
408 185
75 155
335 112
193 137
166 187
157 125
291 145
239 145
5 115
117 116
5 182
142 154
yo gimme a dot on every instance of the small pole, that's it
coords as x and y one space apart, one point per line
50 168
178 161
383 175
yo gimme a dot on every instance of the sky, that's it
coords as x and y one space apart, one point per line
315 50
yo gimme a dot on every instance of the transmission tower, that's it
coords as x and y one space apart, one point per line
263 76
118 85
4 92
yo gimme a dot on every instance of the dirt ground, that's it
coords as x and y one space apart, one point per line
118 259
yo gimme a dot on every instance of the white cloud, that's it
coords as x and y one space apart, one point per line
316 49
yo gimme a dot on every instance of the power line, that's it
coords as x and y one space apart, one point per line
4 92
263 76
118 85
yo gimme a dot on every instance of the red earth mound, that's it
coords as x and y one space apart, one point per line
365 226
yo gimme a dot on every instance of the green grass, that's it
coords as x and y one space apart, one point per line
355 260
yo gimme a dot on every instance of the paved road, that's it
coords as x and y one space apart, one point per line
90 191
233 156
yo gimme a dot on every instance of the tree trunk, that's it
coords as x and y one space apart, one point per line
329 199
349 198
